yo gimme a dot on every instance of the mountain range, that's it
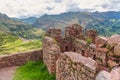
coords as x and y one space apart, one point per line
29 20
106 23
18 28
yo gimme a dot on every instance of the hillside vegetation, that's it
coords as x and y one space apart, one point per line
19 28
12 44
106 23
17 36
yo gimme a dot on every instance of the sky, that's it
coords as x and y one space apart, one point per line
27 8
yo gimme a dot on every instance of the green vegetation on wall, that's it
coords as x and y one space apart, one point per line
89 40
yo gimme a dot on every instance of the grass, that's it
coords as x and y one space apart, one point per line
33 71
12 44
89 40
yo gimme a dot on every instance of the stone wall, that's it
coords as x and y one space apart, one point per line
92 34
51 52
66 45
73 66
74 31
73 58
108 52
85 49
20 58
55 33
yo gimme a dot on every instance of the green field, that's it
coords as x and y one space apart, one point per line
13 44
33 71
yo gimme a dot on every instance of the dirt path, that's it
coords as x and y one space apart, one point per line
7 73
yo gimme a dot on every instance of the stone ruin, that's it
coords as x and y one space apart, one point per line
73 57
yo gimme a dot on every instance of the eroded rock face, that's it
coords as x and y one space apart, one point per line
117 50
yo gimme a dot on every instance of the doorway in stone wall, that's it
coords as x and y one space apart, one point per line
66 48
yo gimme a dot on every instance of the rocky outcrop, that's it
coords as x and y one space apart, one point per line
20 58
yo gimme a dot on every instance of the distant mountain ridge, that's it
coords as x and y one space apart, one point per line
29 20
107 23
18 28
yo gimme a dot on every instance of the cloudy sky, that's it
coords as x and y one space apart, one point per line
26 8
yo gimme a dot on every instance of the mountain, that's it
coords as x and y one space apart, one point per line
29 20
63 19
107 23
18 28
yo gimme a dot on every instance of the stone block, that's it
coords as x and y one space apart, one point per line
103 75
100 41
117 50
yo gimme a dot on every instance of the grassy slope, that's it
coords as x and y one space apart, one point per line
12 34
12 44
33 71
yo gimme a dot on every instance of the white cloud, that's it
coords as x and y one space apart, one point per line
20 8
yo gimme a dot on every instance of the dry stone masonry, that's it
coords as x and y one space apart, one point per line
73 66
51 53
76 55
79 56
20 58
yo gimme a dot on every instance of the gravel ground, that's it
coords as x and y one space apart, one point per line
7 73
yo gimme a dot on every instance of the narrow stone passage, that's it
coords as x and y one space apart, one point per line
7 73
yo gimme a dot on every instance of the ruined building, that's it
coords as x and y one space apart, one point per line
79 56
